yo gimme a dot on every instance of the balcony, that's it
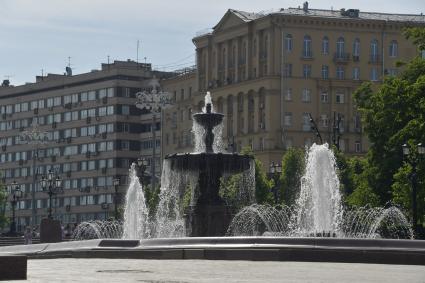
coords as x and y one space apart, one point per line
341 57
307 55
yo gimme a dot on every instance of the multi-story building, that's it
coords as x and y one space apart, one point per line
93 133
269 72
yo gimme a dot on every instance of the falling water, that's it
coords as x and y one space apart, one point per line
198 132
318 210
169 220
318 207
97 229
136 214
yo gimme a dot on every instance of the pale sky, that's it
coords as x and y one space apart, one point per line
42 34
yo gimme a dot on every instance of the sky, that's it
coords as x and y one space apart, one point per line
40 35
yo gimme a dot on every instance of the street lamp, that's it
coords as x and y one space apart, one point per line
16 194
154 102
413 159
275 169
51 184
116 183
35 137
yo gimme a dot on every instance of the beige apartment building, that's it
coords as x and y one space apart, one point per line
269 72
93 133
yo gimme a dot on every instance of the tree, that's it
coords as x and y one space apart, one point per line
394 114
293 166
229 187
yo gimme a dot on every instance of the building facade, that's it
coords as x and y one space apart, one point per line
269 72
93 132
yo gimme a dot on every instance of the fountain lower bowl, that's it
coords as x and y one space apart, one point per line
223 162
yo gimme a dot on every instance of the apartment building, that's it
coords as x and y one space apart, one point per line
269 72
91 132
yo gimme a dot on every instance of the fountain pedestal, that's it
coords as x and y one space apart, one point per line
208 220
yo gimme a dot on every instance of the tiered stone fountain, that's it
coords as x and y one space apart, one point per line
208 215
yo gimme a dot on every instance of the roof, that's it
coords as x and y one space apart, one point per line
362 15
336 14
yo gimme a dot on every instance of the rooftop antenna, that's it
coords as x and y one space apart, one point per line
145 59
68 68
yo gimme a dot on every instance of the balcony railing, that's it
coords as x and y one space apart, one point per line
307 55
341 57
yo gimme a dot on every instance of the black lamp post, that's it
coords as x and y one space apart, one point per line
16 194
51 184
116 183
413 161
275 170
142 164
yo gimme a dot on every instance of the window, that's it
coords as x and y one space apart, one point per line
49 102
324 120
393 48
325 72
102 93
357 146
324 96
288 95
110 110
288 70
125 145
288 119
307 53
325 46
91 95
125 109
340 73
392 72
306 71
374 74
339 98
67 99
374 50
306 95
83 96
356 73
24 106
288 42
17 108
57 101
356 48
306 122
340 45
67 116
288 143
110 92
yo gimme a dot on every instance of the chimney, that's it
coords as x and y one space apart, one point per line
305 7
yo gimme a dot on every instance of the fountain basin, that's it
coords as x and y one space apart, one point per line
383 251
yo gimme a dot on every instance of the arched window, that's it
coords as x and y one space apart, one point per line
325 45
356 47
307 53
340 45
374 50
393 48
288 42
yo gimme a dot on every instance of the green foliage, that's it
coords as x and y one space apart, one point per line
417 35
293 166
263 186
393 115
229 188
152 198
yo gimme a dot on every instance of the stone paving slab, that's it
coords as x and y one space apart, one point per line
206 271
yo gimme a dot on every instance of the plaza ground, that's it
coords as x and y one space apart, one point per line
182 271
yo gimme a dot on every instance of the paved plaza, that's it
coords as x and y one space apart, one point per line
182 271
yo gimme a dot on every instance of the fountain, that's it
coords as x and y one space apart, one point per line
208 215
305 232
318 211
